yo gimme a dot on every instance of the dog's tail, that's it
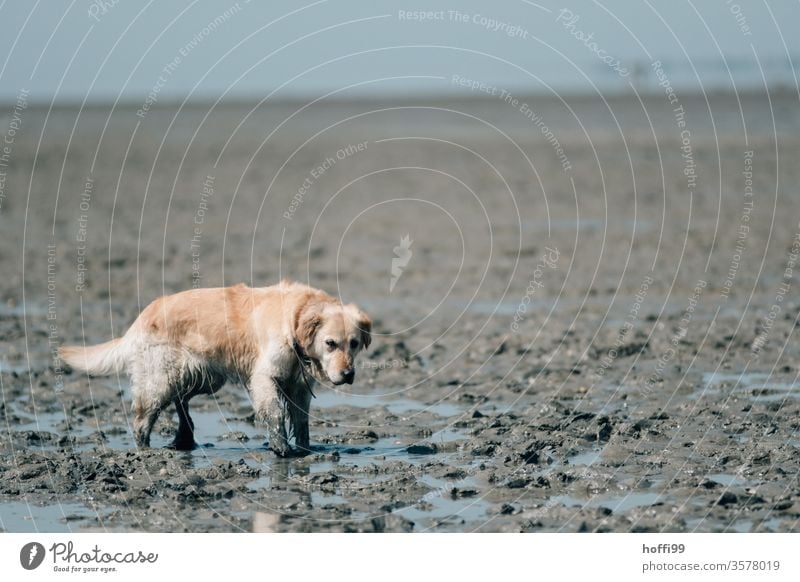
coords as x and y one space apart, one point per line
100 360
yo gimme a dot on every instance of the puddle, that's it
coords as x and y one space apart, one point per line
713 378
441 505
381 450
449 439
28 309
353 463
616 504
754 386
727 480
741 526
326 499
261 483
20 369
773 392
585 459
209 427
21 517
437 505
399 406
482 307
58 425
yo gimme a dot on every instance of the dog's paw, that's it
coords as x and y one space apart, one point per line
182 445
287 452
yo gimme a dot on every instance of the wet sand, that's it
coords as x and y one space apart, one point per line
594 333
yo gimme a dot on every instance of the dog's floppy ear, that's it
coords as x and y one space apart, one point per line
364 324
308 322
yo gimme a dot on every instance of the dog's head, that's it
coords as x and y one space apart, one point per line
331 335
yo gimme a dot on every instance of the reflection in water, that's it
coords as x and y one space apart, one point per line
264 522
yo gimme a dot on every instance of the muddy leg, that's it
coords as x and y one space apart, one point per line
145 414
184 440
270 409
298 412
151 393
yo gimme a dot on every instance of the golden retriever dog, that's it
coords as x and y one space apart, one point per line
276 340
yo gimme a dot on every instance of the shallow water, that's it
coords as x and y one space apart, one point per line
616 503
448 501
329 399
222 437
586 458
755 386
22 517
727 480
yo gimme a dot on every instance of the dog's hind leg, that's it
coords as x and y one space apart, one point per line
197 381
152 392
145 414
184 439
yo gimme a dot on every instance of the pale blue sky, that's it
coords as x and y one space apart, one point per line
56 50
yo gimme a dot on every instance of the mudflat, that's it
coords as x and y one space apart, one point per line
584 312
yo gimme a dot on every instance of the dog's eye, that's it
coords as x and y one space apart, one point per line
353 344
331 344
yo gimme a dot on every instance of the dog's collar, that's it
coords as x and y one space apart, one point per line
301 353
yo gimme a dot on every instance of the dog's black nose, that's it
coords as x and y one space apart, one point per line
349 376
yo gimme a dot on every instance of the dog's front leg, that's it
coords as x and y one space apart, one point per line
270 409
299 402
